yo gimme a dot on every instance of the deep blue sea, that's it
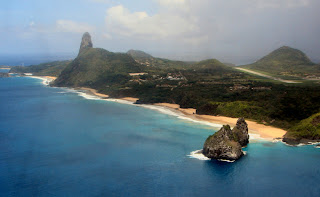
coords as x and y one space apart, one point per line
54 142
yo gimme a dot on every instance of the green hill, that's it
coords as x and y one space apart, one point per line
95 67
211 65
286 61
145 59
306 129
45 69
136 54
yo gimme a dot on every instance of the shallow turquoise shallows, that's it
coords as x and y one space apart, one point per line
54 142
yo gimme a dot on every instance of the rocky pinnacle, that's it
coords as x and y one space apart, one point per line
86 42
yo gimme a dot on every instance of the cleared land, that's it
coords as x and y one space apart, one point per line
266 76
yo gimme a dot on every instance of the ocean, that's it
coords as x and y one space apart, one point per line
60 142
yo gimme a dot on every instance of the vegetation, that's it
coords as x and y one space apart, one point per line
45 69
308 128
97 67
150 61
286 61
136 54
209 86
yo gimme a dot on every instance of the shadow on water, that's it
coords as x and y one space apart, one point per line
269 144
220 168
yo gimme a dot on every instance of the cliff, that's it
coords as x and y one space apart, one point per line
226 144
86 42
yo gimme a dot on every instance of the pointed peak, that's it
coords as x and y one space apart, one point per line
85 42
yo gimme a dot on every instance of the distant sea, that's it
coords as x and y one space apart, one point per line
33 59
59 142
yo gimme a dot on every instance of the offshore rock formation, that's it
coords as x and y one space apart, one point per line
226 144
240 132
86 42
3 75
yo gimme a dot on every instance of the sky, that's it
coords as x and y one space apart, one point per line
235 31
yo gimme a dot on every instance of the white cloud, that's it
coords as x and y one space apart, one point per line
171 3
162 25
262 4
72 26
107 36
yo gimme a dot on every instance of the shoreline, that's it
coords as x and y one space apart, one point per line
266 132
256 130
46 80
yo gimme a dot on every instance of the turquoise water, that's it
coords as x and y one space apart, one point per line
54 142
4 70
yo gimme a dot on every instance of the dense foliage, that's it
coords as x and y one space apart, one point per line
45 69
308 128
93 65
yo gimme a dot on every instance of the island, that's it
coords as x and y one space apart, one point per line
209 87
226 144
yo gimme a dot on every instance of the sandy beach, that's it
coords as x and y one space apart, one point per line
50 77
46 80
266 132
94 92
132 99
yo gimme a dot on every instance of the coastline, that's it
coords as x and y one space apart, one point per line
94 92
256 130
266 132
46 80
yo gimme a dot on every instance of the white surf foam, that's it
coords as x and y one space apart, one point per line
303 144
121 101
163 110
225 160
197 154
88 96
179 115
45 81
256 137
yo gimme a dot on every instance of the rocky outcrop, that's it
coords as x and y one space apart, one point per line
86 42
240 132
291 140
226 144
4 75
307 131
